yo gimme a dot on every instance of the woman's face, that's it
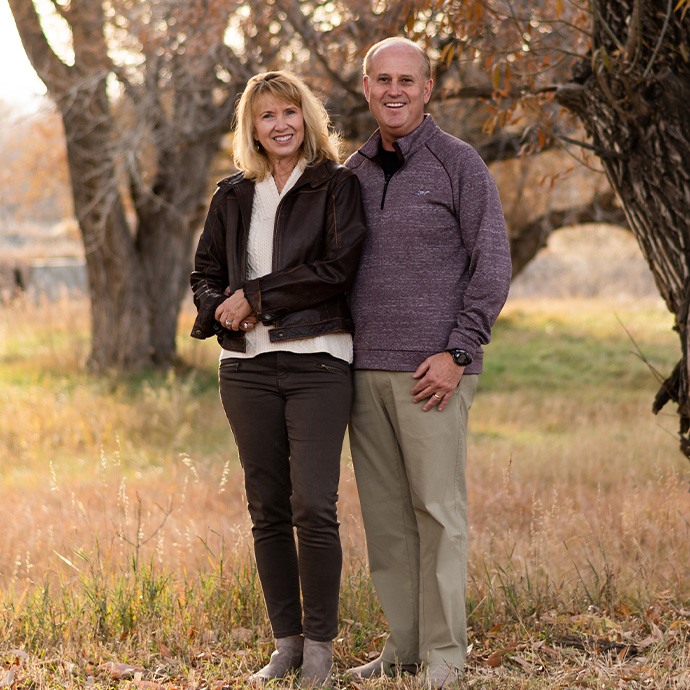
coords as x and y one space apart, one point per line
279 128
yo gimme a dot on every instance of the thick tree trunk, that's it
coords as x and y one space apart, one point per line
165 249
119 307
137 279
164 241
632 97
138 268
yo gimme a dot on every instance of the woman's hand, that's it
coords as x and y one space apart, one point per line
235 313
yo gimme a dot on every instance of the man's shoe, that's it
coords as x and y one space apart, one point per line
379 668
286 659
317 664
374 669
442 677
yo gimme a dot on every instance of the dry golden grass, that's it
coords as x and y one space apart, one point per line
125 538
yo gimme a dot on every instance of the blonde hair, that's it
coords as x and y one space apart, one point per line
320 142
426 62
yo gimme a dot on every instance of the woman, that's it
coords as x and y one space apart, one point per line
277 254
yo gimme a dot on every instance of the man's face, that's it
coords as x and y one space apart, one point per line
397 90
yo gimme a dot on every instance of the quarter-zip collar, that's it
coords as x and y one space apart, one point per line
406 145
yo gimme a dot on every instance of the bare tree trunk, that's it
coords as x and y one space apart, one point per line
120 331
119 306
137 265
141 134
164 242
632 97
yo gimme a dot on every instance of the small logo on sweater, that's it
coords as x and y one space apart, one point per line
422 192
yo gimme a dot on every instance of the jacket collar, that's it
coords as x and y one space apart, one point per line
317 174
313 175
405 145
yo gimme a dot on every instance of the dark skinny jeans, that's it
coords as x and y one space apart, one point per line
288 413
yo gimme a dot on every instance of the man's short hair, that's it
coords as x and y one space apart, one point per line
426 62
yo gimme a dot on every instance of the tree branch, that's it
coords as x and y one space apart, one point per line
487 92
599 19
632 44
659 43
500 148
311 38
527 240
54 73
590 147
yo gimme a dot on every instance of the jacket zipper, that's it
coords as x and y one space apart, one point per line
274 260
245 230
386 179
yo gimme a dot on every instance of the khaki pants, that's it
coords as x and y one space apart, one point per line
410 471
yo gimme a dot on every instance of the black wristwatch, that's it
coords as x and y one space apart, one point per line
460 357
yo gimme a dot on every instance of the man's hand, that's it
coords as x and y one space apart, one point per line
235 313
438 377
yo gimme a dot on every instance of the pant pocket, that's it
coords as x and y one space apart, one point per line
333 365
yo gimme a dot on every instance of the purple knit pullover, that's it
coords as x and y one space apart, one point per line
435 269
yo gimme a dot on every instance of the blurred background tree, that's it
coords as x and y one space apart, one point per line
547 91
33 176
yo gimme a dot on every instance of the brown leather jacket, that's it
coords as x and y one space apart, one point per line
319 228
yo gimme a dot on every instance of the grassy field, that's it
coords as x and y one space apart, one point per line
124 552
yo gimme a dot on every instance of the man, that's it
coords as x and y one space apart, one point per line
432 280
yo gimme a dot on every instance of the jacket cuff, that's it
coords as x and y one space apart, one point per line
252 293
205 324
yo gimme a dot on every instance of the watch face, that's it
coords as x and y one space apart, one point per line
460 357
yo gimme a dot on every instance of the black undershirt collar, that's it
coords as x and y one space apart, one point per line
390 161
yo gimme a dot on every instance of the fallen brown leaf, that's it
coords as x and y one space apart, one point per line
120 671
495 659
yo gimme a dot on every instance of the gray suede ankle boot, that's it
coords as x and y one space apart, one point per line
317 664
286 658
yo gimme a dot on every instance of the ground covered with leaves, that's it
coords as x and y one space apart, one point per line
169 648
125 556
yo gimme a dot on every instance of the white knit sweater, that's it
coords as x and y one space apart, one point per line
260 263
